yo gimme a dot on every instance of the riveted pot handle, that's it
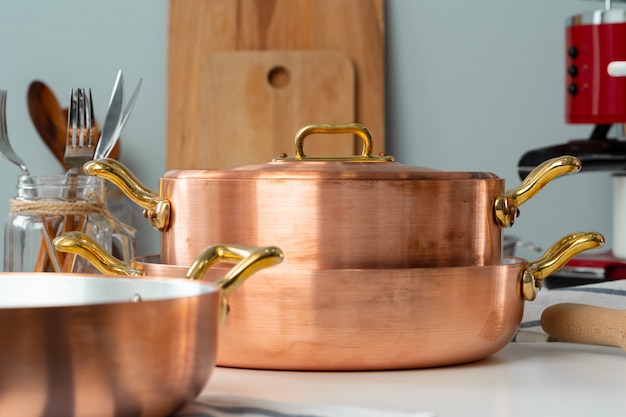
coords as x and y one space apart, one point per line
156 209
506 206
354 128
556 257
82 245
248 259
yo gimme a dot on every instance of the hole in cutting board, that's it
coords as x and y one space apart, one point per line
278 77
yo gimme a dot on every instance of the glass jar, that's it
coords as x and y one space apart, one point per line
47 206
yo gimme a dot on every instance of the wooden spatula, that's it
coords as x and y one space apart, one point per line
579 323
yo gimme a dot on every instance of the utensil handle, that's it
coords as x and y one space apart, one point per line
579 323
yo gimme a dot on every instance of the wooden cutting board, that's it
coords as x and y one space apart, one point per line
200 30
253 102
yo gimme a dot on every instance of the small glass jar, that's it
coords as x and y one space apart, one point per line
47 206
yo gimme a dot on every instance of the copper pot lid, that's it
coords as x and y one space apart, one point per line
354 167
364 167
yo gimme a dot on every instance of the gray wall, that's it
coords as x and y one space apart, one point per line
78 43
474 85
471 86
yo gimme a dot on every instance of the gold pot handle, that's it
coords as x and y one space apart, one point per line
354 128
554 258
156 209
82 245
248 259
506 206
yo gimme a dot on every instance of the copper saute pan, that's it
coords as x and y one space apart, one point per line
338 212
89 345
375 319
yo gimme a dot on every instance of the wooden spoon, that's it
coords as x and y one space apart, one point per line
579 323
50 120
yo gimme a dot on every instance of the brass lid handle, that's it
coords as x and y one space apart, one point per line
554 258
506 206
355 128
156 209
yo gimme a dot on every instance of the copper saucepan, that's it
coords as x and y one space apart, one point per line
86 345
338 212
375 319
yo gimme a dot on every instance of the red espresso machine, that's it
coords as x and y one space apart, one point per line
595 93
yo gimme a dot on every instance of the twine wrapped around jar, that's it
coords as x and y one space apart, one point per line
42 210
68 208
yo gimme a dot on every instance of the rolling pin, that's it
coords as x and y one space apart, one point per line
579 323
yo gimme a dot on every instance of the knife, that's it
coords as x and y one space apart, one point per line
118 130
112 119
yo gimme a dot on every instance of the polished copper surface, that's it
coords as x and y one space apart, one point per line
339 215
377 319
113 358
372 319
151 266
366 319
324 223
73 345
336 214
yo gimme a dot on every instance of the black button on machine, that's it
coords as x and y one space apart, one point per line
572 89
573 70
572 52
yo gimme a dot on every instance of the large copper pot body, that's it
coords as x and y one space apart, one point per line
336 213
89 345
376 319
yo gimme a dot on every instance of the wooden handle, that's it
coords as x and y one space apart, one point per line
578 323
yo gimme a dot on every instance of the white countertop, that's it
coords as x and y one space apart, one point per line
523 379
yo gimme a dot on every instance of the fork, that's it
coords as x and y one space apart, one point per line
46 251
80 143
6 150
80 146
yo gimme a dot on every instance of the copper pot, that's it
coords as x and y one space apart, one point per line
375 319
336 213
88 345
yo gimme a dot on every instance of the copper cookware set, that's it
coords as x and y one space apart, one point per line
361 211
357 319
114 346
386 266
